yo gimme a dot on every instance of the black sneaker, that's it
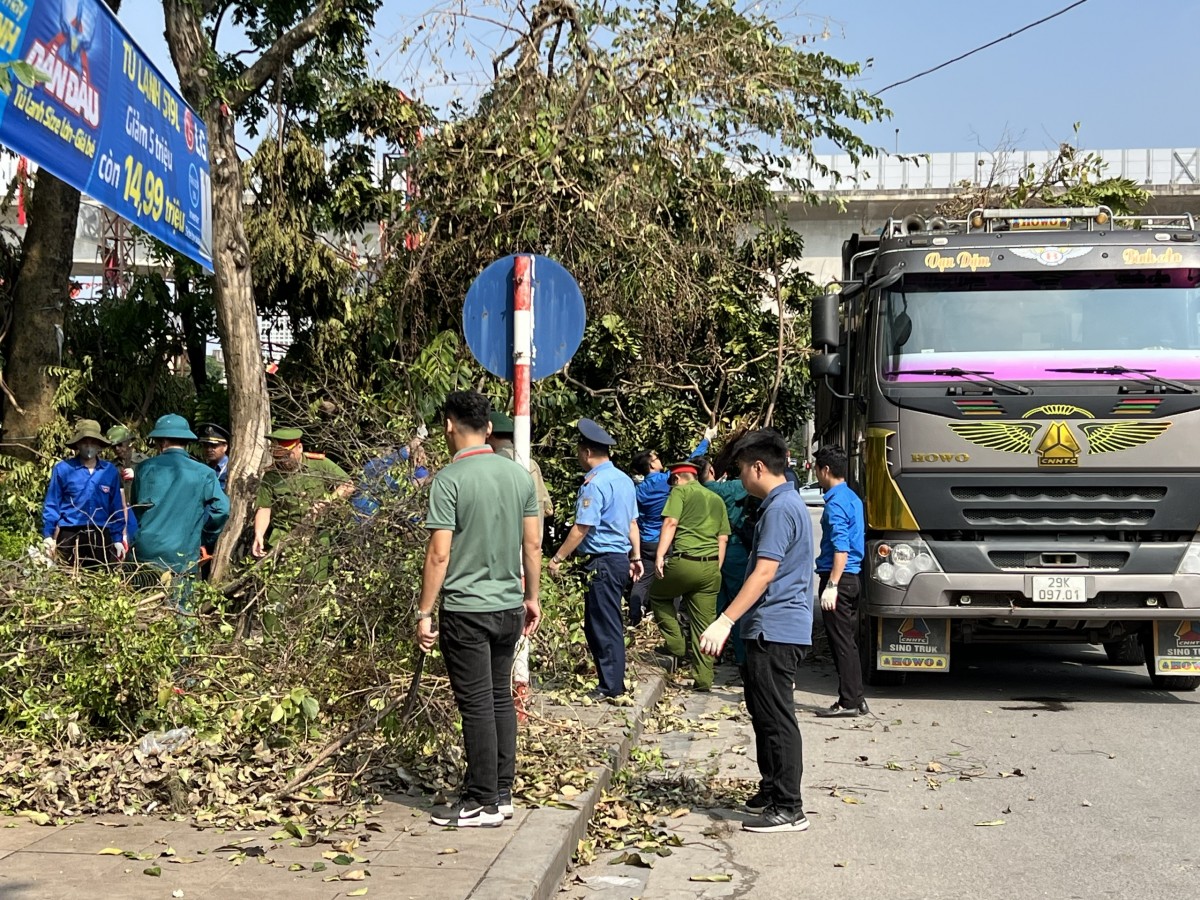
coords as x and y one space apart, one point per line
759 802
775 819
505 806
468 814
837 711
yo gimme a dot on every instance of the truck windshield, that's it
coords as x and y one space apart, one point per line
1019 326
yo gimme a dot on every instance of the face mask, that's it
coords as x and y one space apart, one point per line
287 463
88 452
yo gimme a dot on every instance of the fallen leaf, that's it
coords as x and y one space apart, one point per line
295 867
354 875
853 801
935 767
153 871
712 877
840 864
680 813
569 791
37 818
111 851
346 846
894 766
989 824
177 894
318 867
360 892
447 851
632 859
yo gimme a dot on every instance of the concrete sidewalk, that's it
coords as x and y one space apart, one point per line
399 854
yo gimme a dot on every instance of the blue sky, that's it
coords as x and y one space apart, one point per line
1124 69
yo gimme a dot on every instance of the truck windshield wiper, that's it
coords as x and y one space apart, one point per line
1144 375
968 375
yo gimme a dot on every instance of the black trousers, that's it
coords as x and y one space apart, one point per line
769 677
842 627
608 574
639 594
478 649
85 546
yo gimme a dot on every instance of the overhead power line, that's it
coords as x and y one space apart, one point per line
1000 40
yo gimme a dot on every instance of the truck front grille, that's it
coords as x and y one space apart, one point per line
1057 516
1049 494
1017 560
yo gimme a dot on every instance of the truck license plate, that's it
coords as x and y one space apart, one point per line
1059 589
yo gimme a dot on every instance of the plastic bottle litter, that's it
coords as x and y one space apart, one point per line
158 742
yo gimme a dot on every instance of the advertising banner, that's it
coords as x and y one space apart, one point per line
79 98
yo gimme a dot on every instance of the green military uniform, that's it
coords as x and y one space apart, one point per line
290 495
692 572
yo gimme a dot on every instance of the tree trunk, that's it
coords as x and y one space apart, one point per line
194 339
39 306
237 318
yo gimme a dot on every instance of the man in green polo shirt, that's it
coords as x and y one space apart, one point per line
695 532
483 525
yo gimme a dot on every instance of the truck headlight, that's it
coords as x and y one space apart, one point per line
1190 564
898 562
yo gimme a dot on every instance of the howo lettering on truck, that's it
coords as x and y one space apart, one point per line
1019 393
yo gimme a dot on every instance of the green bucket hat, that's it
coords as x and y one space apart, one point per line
172 427
88 428
119 434
286 434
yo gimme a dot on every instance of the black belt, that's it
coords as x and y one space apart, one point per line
695 558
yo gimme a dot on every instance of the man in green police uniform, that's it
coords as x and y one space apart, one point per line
296 484
695 531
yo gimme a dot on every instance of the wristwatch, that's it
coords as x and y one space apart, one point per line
832 584
556 559
424 615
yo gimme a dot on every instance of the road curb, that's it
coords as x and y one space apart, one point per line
532 865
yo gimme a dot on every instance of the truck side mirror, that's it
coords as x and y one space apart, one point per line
823 365
826 322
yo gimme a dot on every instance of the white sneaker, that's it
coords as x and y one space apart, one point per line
505 806
468 814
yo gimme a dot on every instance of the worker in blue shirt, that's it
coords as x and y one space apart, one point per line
605 534
653 486
843 535
379 476
179 501
84 518
775 610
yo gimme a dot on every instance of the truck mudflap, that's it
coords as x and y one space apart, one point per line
1177 647
917 644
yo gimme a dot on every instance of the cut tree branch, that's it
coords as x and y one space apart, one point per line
251 81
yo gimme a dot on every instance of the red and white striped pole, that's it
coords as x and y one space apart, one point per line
522 439
522 355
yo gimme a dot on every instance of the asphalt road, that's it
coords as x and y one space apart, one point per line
1028 772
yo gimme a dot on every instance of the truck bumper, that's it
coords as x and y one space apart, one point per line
974 595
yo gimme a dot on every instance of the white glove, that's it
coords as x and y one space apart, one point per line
715 635
49 547
829 598
119 550
710 432
422 431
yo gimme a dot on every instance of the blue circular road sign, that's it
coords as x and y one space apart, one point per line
559 316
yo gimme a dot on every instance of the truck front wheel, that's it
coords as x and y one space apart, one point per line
1126 652
868 654
1167 682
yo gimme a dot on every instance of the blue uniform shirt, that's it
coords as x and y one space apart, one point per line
607 502
78 496
784 613
222 470
842 529
651 498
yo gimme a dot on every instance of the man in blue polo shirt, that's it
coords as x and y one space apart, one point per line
606 534
774 610
838 566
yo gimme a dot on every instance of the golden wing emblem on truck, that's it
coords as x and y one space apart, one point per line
1121 435
1007 437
